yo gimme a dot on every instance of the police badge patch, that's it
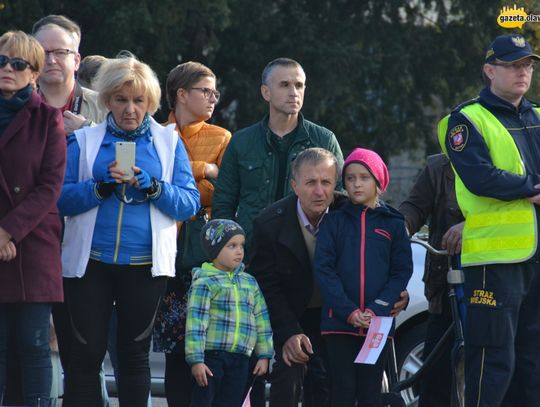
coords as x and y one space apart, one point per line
458 137
518 41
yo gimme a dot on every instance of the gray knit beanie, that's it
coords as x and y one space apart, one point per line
216 233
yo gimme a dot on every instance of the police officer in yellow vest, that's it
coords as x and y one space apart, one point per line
493 143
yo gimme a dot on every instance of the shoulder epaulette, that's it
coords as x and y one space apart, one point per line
467 103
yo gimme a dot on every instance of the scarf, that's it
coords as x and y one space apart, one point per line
131 135
10 107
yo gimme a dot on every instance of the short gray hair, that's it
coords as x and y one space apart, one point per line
313 156
287 62
66 24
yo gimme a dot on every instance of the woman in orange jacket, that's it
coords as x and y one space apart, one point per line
192 97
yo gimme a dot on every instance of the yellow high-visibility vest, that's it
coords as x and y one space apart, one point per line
495 231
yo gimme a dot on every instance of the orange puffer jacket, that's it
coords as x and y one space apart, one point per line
204 143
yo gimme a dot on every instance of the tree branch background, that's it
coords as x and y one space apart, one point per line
380 73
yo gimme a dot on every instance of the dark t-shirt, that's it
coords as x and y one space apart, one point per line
282 146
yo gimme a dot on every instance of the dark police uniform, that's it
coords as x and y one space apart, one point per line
502 331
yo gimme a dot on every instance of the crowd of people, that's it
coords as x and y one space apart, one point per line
264 254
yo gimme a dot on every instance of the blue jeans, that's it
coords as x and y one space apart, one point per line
226 386
31 324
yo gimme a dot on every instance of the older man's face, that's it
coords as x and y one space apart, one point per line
314 185
58 69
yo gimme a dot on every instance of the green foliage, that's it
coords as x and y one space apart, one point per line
379 72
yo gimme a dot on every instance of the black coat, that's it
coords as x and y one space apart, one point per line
281 265
433 197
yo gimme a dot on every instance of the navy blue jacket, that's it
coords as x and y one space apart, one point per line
363 260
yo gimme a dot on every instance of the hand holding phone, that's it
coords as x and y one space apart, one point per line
144 180
125 158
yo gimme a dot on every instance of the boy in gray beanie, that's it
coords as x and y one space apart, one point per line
227 319
216 233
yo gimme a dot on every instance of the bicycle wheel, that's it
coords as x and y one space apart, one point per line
409 355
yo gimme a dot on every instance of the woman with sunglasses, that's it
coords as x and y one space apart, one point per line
192 97
32 163
120 235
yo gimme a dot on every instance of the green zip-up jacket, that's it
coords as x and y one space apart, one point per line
247 181
226 312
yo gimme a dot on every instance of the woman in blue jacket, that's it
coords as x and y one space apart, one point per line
120 236
363 261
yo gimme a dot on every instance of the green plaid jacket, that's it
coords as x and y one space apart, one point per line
226 312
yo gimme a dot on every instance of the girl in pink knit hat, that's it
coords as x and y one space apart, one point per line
363 261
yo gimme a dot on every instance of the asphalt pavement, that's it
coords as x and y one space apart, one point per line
156 402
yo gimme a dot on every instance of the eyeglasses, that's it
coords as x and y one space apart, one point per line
60 53
18 64
527 66
207 92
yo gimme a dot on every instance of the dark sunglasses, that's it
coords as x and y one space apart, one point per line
18 64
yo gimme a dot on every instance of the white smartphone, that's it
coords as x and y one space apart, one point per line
125 157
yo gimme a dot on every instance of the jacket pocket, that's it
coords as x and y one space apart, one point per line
251 173
435 276
383 233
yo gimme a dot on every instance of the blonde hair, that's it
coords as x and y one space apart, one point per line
116 73
21 45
